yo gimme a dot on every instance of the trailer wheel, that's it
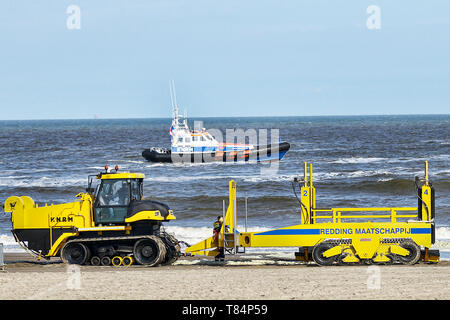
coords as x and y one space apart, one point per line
318 257
149 251
173 250
414 253
75 253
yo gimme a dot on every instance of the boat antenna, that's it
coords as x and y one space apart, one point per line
173 97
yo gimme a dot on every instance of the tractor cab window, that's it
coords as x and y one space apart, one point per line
113 199
114 193
136 189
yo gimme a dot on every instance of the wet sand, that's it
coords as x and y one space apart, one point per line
237 279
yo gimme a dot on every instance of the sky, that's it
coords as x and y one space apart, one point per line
115 59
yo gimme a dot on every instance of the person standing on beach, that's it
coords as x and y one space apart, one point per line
217 226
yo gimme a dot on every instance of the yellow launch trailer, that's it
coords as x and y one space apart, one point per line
327 236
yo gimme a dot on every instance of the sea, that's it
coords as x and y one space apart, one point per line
358 161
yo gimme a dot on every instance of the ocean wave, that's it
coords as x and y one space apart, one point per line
10 244
263 178
362 160
190 178
383 178
358 160
133 161
156 164
387 185
440 141
318 176
31 170
442 172
16 182
443 233
382 173
14 177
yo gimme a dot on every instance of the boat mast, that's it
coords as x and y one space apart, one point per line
175 111
173 98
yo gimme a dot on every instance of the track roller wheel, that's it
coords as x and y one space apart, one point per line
414 253
116 261
105 261
95 261
149 251
127 261
75 253
318 257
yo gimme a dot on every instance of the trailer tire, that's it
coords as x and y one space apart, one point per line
317 254
173 250
414 253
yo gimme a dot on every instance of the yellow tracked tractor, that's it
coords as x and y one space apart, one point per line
109 224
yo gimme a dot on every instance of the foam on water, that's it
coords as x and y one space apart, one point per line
358 160
27 182
10 244
443 233
24 181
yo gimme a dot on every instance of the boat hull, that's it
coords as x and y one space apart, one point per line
258 154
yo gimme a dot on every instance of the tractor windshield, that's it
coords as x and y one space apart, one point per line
113 199
114 193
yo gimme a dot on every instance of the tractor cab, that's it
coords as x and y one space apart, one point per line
119 197
114 194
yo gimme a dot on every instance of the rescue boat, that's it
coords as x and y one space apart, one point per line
200 146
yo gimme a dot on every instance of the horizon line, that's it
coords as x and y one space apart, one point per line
209 117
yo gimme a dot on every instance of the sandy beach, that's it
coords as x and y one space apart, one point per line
237 279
